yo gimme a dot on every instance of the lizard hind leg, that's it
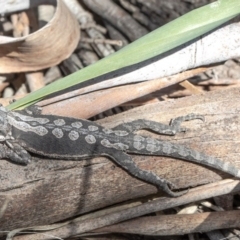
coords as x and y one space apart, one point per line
175 123
160 128
125 161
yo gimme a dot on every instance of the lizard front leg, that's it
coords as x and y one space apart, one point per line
16 153
125 161
157 127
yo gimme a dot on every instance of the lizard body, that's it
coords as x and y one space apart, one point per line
70 138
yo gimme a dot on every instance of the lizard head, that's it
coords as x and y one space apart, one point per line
4 125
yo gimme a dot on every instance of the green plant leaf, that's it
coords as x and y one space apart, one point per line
167 37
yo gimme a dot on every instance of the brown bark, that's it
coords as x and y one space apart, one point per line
116 214
177 224
47 191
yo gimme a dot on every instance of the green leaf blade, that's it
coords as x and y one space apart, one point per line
169 36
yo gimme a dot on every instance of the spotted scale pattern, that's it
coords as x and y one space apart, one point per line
59 122
118 146
76 124
57 132
24 126
92 128
73 135
90 139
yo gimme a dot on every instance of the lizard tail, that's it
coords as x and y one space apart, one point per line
167 149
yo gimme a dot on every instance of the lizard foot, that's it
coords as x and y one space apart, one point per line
166 188
176 122
17 154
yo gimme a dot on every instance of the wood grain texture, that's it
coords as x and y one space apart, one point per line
47 191
177 224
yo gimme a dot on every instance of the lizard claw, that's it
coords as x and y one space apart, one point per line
182 129
168 185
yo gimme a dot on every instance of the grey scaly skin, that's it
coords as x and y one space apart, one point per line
59 137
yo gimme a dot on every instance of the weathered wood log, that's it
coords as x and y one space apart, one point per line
47 191
177 224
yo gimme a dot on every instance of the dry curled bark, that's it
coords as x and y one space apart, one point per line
47 191
35 51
